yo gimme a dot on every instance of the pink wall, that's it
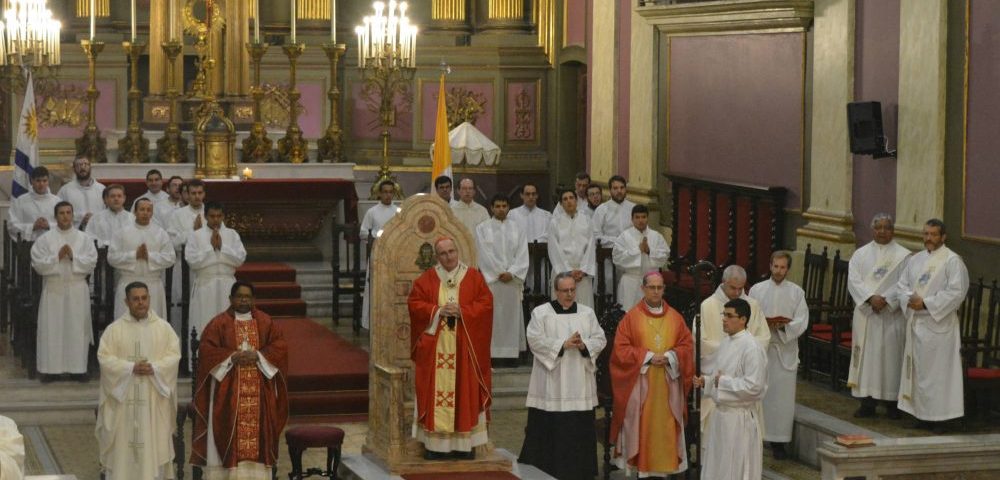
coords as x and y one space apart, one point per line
576 22
876 78
982 168
622 107
736 109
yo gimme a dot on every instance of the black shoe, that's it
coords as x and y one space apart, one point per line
432 455
778 451
46 378
470 455
82 378
866 410
892 411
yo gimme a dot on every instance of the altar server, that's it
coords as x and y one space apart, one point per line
141 252
637 251
214 253
533 220
113 218
581 183
613 216
571 248
30 214
190 217
376 217
83 192
470 213
502 252
784 307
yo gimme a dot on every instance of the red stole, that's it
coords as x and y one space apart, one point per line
472 362
235 414
628 355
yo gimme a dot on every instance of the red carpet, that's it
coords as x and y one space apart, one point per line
327 375
461 475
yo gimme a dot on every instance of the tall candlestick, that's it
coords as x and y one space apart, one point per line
173 20
208 15
256 21
293 2
133 21
333 22
93 19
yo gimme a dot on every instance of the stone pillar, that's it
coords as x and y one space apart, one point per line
236 62
449 15
830 171
922 62
644 155
602 91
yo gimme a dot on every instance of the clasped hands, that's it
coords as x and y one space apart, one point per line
916 302
142 253
699 381
66 252
505 277
245 358
877 303
40 224
659 359
644 245
216 240
574 341
142 367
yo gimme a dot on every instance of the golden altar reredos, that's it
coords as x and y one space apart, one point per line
215 143
400 255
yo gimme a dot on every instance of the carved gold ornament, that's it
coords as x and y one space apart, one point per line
198 27
524 110
464 105
276 104
64 106
160 112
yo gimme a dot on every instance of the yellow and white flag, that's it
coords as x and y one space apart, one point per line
441 156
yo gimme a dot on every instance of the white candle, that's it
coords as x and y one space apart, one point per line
333 22
133 21
357 31
256 22
293 2
93 19
173 20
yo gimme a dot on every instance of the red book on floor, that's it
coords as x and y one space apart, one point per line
853 441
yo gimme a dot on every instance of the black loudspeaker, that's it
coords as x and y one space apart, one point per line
864 124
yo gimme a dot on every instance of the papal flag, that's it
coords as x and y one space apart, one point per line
441 164
26 148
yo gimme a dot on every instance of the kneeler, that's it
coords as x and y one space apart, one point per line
314 436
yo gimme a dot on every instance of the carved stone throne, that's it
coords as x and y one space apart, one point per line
403 251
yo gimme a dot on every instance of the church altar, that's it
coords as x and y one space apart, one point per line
285 219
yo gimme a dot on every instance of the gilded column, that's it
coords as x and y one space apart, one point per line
217 75
449 15
237 59
158 13
602 115
922 62
502 15
829 217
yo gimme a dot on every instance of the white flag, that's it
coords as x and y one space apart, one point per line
26 148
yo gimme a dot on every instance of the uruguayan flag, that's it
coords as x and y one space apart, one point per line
26 148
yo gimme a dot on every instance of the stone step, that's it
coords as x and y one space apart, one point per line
512 377
509 398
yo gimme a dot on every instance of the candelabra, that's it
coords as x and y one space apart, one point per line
172 147
91 144
257 147
292 147
133 147
330 146
387 58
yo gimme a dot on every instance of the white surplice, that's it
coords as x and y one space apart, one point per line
121 256
501 247
11 450
161 196
788 300
610 220
470 214
182 224
733 439
877 337
162 211
931 384
64 329
105 223
85 198
563 380
581 207
534 222
375 218
571 247
633 264
137 414
27 209
214 272
712 336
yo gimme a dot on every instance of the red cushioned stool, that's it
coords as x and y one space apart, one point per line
314 436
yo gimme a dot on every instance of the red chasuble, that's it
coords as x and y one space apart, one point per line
250 410
635 331
471 360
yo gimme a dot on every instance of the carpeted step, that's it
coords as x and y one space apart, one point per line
277 290
254 272
282 307
326 373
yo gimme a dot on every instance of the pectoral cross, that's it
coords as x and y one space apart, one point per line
135 403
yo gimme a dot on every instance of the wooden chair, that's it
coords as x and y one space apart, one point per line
5 277
981 355
704 274
813 277
609 321
536 290
605 295
349 273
